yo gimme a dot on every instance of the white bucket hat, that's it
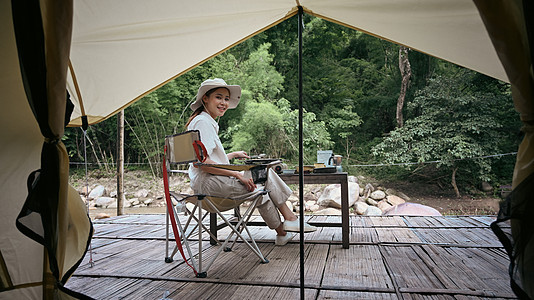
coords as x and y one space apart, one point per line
235 92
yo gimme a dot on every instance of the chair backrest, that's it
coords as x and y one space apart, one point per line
180 149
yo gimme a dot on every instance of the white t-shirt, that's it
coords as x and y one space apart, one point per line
209 136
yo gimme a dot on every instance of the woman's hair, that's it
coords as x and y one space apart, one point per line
201 108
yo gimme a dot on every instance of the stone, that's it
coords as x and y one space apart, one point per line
403 196
371 201
360 207
372 211
290 205
293 198
97 192
486 187
378 195
383 205
314 208
331 195
84 190
135 201
394 200
411 209
148 201
142 193
352 179
102 216
113 194
369 187
105 202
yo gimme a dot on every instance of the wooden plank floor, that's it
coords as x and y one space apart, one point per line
389 258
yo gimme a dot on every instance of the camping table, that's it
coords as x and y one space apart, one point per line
312 178
329 178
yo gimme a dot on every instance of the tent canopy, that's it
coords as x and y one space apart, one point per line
118 55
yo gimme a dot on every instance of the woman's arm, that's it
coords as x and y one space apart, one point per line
237 154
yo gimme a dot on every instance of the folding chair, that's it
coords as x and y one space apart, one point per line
184 148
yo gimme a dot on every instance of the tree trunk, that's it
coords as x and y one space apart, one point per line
120 162
406 73
453 182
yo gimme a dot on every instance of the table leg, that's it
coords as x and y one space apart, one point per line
213 227
345 229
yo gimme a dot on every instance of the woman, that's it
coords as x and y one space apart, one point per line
214 97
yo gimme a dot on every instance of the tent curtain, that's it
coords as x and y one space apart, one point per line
510 26
53 214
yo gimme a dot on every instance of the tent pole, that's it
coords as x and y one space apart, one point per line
301 161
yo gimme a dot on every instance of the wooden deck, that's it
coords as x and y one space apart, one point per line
388 258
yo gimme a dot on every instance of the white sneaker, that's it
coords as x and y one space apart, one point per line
294 226
281 240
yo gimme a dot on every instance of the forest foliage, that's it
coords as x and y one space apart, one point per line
453 117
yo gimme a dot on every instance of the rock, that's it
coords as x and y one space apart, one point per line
371 201
372 211
403 196
383 205
97 192
378 195
142 193
310 202
290 205
369 188
84 190
113 194
293 198
394 200
411 209
126 203
331 195
135 201
105 202
360 207
314 208
148 201
328 211
486 187
102 216
353 179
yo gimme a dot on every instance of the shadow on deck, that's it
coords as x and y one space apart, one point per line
389 258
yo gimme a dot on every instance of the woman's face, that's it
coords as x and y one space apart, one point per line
217 102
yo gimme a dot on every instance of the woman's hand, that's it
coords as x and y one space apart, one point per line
238 154
247 182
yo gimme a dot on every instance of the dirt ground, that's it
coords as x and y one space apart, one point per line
442 199
445 201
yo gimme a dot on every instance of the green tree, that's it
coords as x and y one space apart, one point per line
272 128
456 124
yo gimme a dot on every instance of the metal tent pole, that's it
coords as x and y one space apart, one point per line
301 164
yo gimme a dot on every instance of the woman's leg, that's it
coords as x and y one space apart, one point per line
287 213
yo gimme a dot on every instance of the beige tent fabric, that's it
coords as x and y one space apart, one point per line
19 155
506 25
123 49
451 30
